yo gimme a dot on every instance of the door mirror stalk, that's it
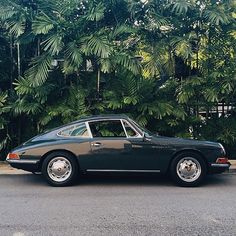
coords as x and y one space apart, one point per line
147 137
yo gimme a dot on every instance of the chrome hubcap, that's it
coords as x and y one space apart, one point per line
188 169
59 169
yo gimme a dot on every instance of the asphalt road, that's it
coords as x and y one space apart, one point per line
117 206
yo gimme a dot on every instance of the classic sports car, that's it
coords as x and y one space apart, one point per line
115 143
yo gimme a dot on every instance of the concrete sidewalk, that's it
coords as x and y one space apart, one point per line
6 169
233 166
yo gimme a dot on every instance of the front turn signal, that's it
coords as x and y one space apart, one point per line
222 160
14 156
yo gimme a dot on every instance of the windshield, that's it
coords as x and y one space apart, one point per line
142 129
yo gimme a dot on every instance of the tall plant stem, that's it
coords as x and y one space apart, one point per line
18 60
98 81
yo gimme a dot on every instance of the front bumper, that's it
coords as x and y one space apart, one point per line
219 168
28 165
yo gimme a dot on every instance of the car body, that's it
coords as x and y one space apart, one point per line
116 143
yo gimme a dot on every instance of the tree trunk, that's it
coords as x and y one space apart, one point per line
12 64
98 81
19 130
18 60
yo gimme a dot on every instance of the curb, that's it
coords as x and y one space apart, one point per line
6 169
232 168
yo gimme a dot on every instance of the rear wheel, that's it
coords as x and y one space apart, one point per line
60 169
188 169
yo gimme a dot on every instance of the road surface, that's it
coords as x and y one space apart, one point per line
105 205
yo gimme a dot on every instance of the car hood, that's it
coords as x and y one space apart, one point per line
185 142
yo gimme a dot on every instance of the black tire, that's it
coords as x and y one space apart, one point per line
190 157
67 158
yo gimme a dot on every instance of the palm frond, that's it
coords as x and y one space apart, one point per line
181 6
16 28
73 56
182 47
96 45
3 98
184 95
6 13
152 67
121 30
42 24
3 142
96 13
22 86
157 109
179 113
38 72
22 105
211 94
142 120
53 44
105 64
115 103
156 20
130 63
217 16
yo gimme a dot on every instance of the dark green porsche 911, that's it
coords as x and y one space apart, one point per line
115 143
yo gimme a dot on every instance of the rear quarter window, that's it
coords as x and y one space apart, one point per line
79 130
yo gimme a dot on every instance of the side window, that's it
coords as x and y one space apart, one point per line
110 128
79 130
129 130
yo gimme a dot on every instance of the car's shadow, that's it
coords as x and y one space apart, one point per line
125 180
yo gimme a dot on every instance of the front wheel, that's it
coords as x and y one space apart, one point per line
60 169
188 169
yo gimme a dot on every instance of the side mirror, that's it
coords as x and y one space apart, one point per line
147 137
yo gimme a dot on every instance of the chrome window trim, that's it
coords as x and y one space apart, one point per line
98 120
122 123
114 119
89 130
136 127
139 135
74 125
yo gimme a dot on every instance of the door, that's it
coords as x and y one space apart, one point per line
117 146
145 152
110 149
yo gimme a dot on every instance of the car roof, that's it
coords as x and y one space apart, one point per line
50 132
100 117
91 118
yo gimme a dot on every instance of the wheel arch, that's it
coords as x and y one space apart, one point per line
191 151
43 157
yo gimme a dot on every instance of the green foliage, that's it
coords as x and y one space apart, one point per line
39 70
96 12
97 45
181 6
168 64
53 44
217 16
42 24
73 57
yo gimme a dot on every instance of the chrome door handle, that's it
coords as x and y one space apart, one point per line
96 144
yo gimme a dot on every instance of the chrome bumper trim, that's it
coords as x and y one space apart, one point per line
220 165
22 161
113 170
